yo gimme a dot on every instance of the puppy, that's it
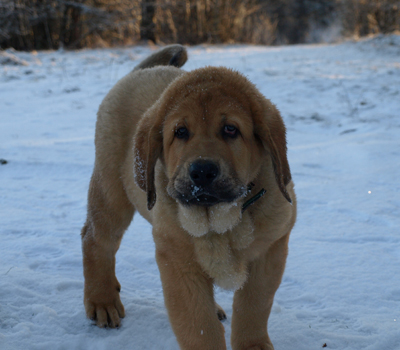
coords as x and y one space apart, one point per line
202 156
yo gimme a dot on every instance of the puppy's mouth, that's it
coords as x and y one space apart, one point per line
204 197
204 200
222 190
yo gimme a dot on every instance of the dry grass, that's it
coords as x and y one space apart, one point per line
44 24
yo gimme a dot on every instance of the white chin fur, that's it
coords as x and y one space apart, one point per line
224 216
194 220
219 218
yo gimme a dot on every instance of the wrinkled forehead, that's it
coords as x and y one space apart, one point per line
208 107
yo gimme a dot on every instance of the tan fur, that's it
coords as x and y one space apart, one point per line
141 165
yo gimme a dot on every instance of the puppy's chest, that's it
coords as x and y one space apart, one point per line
224 256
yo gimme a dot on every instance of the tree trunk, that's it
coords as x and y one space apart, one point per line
147 25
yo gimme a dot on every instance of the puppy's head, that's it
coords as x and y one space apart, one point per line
211 128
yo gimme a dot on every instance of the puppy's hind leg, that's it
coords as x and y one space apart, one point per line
220 312
109 214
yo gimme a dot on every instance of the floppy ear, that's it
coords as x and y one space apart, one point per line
147 149
269 127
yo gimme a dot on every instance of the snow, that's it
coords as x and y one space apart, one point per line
341 105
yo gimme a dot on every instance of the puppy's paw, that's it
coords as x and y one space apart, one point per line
220 312
266 346
104 306
259 343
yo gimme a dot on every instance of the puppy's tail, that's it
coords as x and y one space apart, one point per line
172 55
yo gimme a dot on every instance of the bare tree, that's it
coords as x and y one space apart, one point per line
147 25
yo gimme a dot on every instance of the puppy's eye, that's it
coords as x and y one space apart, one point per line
182 133
230 130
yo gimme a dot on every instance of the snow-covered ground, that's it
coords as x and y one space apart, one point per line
341 104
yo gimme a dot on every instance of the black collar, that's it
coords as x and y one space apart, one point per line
252 199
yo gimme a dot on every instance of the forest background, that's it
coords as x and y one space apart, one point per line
72 24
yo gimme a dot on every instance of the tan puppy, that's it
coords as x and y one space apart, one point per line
202 156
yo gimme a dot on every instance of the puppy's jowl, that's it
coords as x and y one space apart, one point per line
202 156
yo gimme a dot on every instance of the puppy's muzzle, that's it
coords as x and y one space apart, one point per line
203 183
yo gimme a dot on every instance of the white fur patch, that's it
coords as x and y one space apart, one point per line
222 233
220 262
222 255
219 218
224 216
194 220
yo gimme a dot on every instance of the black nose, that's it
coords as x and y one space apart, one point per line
203 173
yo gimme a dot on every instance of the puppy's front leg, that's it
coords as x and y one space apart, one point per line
252 303
189 298
101 237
